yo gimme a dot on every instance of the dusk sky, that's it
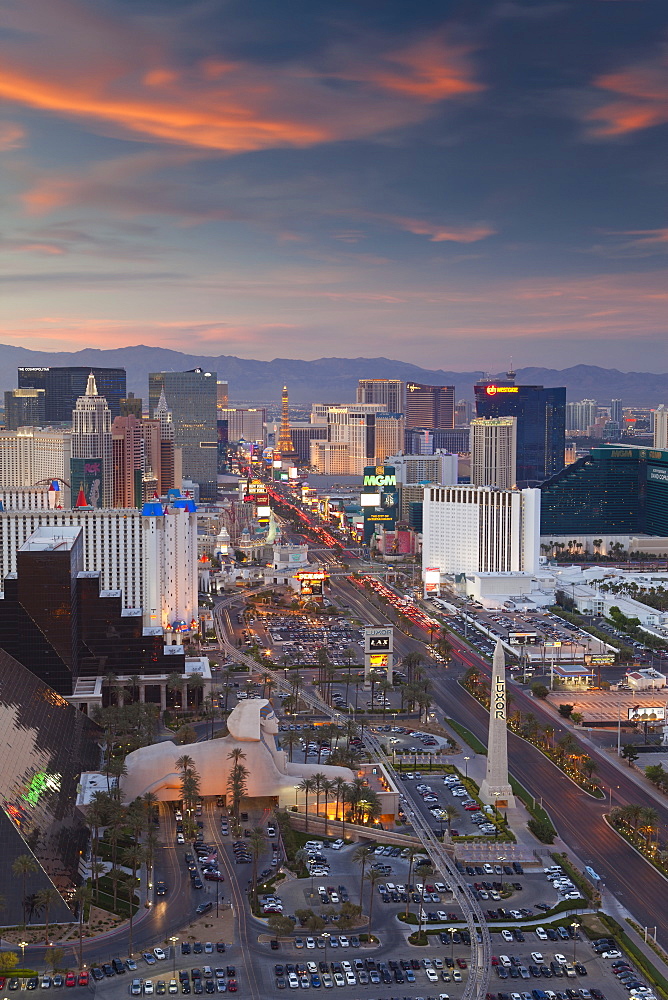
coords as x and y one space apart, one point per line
443 183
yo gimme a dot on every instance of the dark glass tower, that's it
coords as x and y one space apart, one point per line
430 406
541 425
63 386
191 396
613 491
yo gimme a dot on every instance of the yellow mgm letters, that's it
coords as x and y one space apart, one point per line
500 698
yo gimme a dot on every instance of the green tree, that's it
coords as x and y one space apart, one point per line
257 843
539 690
629 753
8 961
307 786
23 866
565 710
82 897
186 734
373 878
280 925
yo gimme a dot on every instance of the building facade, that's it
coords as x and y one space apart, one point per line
63 386
389 392
32 456
192 399
473 529
615 490
439 468
430 406
150 559
24 408
92 463
661 428
494 452
244 424
541 425
581 416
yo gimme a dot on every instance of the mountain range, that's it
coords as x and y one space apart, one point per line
332 379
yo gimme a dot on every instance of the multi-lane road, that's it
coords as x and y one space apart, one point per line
577 816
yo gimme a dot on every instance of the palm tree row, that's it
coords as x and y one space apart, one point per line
362 802
642 822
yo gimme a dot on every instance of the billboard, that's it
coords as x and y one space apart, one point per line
600 659
523 638
378 640
379 498
432 580
647 713
311 583
378 660
87 474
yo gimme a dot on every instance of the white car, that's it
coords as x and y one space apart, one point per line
612 954
541 934
180 839
310 942
148 987
159 954
432 975
293 982
327 980
351 979
343 940
507 935
338 979
560 959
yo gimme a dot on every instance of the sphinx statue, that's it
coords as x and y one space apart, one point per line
252 727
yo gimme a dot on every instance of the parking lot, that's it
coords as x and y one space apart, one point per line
299 636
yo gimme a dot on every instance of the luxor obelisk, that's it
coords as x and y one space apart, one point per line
495 789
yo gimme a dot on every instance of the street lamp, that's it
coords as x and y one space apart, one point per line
466 766
326 935
575 927
23 945
451 932
501 861
296 787
174 941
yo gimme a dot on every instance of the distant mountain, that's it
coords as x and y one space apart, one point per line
332 379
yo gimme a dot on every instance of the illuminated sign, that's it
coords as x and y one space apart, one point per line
380 480
600 659
263 511
492 390
523 638
378 640
657 475
311 584
377 660
413 388
647 713
314 575
34 369
432 579
370 499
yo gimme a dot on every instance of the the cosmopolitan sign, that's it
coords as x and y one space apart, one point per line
499 698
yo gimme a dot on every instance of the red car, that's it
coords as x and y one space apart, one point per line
83 979
2 982
232 986
213 877
461 962
495 960
70 979
472 809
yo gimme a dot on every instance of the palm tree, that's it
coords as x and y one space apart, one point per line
257 843
287 742
425 872
47 898
451 813
318 781
373 878
196 684
134 857
339 788
83 896
307 786
361 855
22 866
175 683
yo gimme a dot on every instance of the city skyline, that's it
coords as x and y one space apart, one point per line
435 185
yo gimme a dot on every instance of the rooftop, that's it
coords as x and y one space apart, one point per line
50 539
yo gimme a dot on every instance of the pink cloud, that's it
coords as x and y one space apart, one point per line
640 98
12 135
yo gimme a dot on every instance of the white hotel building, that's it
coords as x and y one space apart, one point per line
149 555
474 529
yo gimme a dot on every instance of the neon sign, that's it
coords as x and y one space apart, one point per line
492 390
39 784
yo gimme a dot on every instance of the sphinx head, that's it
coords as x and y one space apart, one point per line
249 718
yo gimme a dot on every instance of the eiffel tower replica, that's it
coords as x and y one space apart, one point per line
285 445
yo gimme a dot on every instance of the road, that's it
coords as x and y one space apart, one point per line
577 816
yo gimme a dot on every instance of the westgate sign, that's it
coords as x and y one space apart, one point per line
492 390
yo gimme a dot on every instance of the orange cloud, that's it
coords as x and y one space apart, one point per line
121 80
435 232
641 98
429 71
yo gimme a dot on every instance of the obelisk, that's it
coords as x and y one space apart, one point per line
495 789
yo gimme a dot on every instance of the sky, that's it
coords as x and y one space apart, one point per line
447 183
